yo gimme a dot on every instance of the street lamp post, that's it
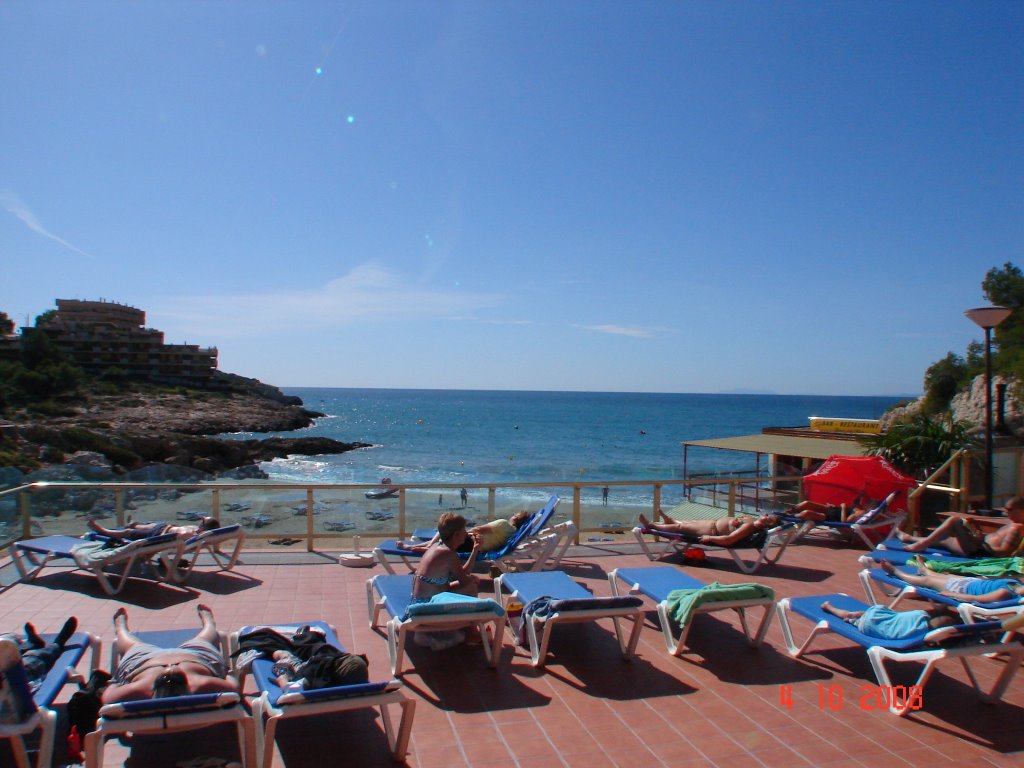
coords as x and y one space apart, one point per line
988 318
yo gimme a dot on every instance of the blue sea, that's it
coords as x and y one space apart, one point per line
464 437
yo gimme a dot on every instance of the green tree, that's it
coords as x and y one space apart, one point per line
45 317
921 444
6 324
38 349
942 380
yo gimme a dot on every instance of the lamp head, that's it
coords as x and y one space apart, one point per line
988 317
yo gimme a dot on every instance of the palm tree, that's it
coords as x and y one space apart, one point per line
919 445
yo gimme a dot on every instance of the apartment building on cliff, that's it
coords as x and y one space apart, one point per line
98 335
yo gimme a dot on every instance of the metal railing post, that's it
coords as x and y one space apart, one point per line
309 519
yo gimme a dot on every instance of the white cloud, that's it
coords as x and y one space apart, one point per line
13 205
367 293
622 330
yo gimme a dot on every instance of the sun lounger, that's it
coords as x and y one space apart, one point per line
43 717
899 589
163 552
551 598
961 642
777 539
659 582
392 595
170 714
876 524
209 542
257 520
273 704
534 546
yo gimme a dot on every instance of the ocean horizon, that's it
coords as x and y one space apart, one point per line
423 436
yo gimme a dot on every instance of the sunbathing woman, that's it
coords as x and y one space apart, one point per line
812 511
723 532
442 570
967 589
148 671
961 537
136 531
488 537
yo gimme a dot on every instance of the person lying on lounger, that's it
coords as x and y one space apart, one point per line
968 589
961 537
136 531
442 570
37 656
887 624
812 511
488 537
148 671
723 532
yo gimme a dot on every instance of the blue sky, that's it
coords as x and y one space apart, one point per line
799 197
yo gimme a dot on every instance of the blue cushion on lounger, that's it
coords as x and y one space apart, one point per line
452 602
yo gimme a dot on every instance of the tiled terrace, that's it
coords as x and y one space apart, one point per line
719 705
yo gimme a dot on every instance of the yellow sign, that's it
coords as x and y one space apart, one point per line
861 426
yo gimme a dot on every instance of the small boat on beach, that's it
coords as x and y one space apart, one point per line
382 493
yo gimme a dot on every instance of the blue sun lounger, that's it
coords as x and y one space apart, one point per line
873 523
534 546
42 716
658 582
557 599
898 589
273 704
961 642
171 714
162 552
392 594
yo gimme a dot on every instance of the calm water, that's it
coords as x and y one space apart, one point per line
441 436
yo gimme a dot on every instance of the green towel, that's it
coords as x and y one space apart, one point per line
986 567
683 602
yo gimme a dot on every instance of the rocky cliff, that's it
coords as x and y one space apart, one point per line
970 406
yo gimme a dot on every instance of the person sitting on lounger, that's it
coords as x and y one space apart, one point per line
961 537
723 532
37 656
488 537
887 624
968 589
442 570
136 531
148 671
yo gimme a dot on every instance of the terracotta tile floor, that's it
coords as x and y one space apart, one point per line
721 704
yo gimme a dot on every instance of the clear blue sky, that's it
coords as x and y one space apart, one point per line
799 197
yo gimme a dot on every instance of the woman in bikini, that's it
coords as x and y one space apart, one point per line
723 532
442 570
148 671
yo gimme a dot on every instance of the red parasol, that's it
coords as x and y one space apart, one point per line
841 479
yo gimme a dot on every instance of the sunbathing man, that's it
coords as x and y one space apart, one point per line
879 621
723 532
812 511
136 531
147 671
967 589
37 656
959 536
488 537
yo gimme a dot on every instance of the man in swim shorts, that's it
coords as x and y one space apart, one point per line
136 531
959 536
148 671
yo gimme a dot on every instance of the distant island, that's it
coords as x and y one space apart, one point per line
90 393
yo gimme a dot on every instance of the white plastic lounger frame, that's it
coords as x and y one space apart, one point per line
884 526
557 585
272 705
878 652
656 582
44 719
210 542
32 555
391 593
171 714
777 538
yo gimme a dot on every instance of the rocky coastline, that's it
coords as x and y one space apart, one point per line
158 436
